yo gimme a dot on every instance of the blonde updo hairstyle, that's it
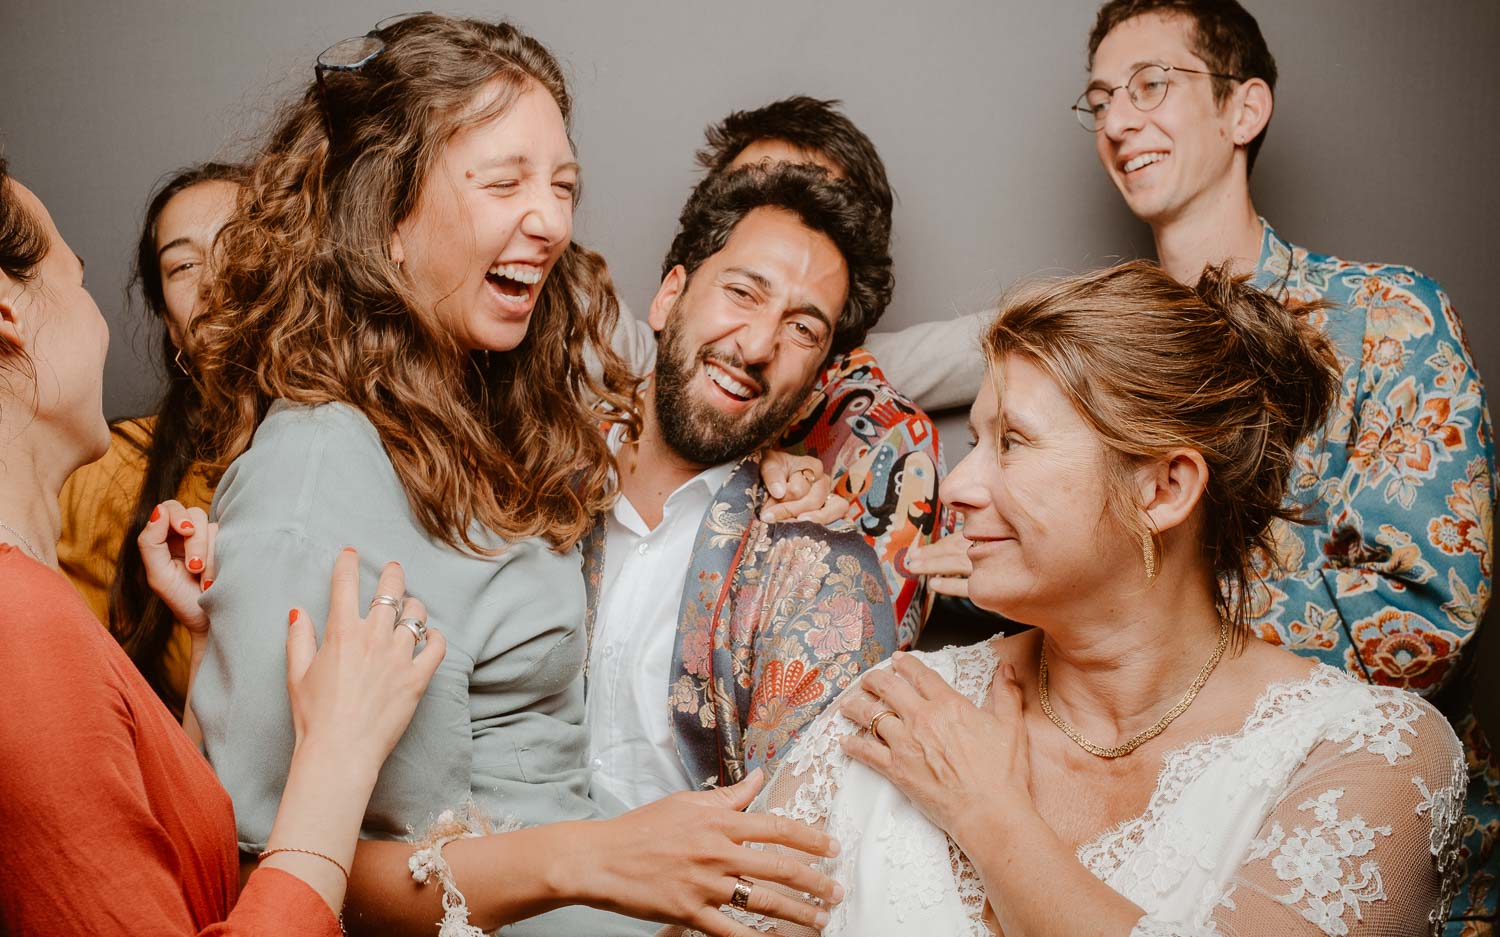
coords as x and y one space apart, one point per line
1154 365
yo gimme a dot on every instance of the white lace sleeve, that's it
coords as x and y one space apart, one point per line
1362 840
899 872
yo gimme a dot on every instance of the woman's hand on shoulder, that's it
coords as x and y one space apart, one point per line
177 552
354 696
798 488
959 763
678 860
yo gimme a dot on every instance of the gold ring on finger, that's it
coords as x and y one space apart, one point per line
874 727
741 897
809 474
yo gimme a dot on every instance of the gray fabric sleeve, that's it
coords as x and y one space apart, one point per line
937 364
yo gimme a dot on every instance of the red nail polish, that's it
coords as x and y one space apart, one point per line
195 564
348 549
186 527
207 583
291 617
156 514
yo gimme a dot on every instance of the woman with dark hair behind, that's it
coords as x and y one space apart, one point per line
151 459
114 824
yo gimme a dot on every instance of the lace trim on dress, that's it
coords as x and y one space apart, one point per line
1320 862
1446 806
1108 852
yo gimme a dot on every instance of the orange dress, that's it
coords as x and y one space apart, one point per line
113 822
97 503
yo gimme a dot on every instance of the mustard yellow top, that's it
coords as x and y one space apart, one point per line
97 502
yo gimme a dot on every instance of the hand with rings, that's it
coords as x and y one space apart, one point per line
957 762
797 488
354 696
416 624
706 863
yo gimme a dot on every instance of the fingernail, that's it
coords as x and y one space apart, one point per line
186 527
804 517
207 583
291 617
195 564
778 490
822 919
348 549
156 514
765 516
838 890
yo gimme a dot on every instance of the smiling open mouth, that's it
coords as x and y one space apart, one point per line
514 281
730 385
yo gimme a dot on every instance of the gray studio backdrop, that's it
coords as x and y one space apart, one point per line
1382 147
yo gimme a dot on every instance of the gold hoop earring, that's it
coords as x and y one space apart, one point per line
1148 550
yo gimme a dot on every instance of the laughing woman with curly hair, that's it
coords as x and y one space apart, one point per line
392 357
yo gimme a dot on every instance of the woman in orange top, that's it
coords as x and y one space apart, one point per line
151 459
114 823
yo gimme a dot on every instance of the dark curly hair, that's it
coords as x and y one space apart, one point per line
1152 365
1225 36
829 207
807 124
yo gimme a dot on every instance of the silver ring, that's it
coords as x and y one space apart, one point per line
381 599
416 626
741 897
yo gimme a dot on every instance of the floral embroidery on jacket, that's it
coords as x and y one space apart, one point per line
1393 581
776 620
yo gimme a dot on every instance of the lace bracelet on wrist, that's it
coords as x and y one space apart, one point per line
428 865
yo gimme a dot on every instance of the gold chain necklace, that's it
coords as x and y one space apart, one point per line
1137 741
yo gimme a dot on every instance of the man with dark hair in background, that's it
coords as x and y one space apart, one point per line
878 447
1391 585
714 636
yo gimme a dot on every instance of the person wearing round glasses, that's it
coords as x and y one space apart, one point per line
1392 584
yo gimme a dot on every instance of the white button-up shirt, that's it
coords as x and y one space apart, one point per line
631 751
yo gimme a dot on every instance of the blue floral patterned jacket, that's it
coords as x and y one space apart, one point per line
776 620
1392 582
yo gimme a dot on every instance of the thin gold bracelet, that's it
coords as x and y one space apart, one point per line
307 852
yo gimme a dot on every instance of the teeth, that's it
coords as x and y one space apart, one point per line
521 273
1145 159
718 376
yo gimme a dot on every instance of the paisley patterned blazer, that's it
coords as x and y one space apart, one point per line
776 620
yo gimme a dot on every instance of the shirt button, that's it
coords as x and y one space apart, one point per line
609 650
596 764
642 548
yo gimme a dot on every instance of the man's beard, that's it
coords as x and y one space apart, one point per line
694 429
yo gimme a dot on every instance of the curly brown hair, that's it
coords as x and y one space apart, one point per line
1153 365
309 305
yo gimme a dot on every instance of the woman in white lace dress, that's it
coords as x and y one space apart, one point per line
1138 763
